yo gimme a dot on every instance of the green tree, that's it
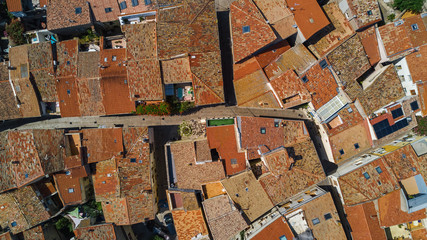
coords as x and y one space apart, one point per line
391 17
410 5
15 31
421 129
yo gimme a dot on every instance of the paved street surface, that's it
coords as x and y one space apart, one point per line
220 111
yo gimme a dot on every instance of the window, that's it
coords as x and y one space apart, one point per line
413 169
399 67
246 29
414 106
263 131
276 124
140 161
233 161
68 91
356 146
114 58
379 170
68 63
133 160
67 172
125 81
123 5
78 10
328 216
105 59
14 224
108 10
403 156
323 64
366 175
283 237
350 110
379 183
135 3
147 2
26 175
71 190
342 151
414 26
369 13
315 221
304 79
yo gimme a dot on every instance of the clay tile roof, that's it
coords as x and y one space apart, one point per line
364 222
38 233
141 7
145 81
90 97
244 14
176 70
88 64
422 94
404 162
297 58
308 16
275 230
368 37
223 218
7 181
68 97
391 213
141 41
290 89
415 60
6 236
65 14
99 7
14 5
24 206
321 84
41 68
207 77
190 224
67 54
418 37
279 16
8 104
224 140
96 232
188 172
342 30
251 86
71 180
106 181
285 181
367 12
271 53
102 143
395 39
248 193
355 188
385 89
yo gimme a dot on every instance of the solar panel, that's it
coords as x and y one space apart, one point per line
397 113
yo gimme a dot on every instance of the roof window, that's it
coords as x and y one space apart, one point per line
68 62
304 79
233 161
379 183
135 3
366 175
403 156
414 27
246 29
369 13
78 10
123 5
356 146
262 130
328 216
133 160
70 190
342 151
108 10
379 170
114 58
283 237
26 175
315 221
147 2
14 224
323 64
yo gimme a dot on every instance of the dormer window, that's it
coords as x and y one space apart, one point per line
108 10
414 27
123 5
246 29
263 130
78 10
304 79
366 175
135 3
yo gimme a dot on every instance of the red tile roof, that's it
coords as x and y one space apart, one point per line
145 82
368 37
102 143
391 213
14 5
395 39
403 162
224 140
6 236
106 181
416 59
141 7
418 37
189 224
176 70
63 14
308 16
98 8
90 97
272 53
96 232
361 9
68 97
244 13
422 93
275 230
290 89
73 179
364 222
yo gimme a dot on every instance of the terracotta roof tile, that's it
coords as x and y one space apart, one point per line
102 143
224 140
72 180
68 97
6 236
187 171
272 53
189 224
64 14
355 188
391 213
14 6
395 39
418 37
415 60
404 162
368 37
106 181
67 54
367 12
275 230
385 89
99 7
176 70
90 97
145 81
245 14
41 70
8 104
141 7
341 31
290 89
248 194
96 232
141 41
41 233
422 94
7 182
364 222
308 16
88 64
297 58
223 218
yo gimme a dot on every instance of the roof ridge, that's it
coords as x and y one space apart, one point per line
200 12
210 89
251 16
306 172
357 189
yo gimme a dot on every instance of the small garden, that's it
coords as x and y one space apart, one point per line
170 107
421 129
